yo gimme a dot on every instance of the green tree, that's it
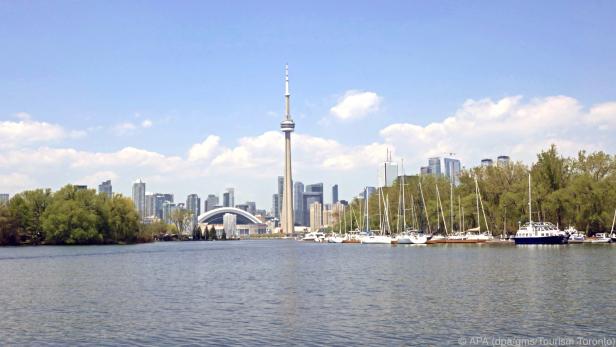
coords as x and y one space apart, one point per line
9 233
123 219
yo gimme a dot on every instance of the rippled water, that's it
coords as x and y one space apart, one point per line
289 292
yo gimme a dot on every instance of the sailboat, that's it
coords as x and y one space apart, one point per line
337 238
412 235
479 236
373 239
352 236
538 233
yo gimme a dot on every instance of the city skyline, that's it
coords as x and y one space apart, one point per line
190 114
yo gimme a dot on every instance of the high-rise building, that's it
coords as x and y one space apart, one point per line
243 207
312 194
150 211
316 216
139 197
452 170
487 162
502 160
287 126
425 170
252 207
280 193
167 209
298 202
228 197
435 166
193 204
4 198
388 172
105 188
275 205
334 193
210 202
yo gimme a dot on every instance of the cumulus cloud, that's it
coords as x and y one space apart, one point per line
511 126
146 123
204 150
356 104
124 128
27 131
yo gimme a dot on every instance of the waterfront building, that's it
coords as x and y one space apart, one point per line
154 204
487 162
453 169
502 160
139 197
298 202
328 215
193 204
435 165
388 172
210 202
243 207
4 198
105 188
316 216
287 126
334 193
149 205
80 187
245 223
425 170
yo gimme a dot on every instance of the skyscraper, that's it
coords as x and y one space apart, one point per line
280 193
316 216
252 207
193 204
298 202
228 198
435 166
275 204
287 126
139 197
210 202
105 187
388 172
502 160
487 162
452 170
334 193
312 194
4 198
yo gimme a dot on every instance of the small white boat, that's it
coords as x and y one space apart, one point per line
376 239
335 239
574 235
601 238
411 238
315 236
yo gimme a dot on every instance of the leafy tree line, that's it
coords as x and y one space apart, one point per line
70 216
578 191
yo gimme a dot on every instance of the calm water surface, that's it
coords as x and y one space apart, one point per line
288 292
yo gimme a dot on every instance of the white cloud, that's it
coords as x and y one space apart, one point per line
26 131
511 125
204 150
146 123
356 104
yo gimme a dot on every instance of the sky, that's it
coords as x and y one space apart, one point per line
188 95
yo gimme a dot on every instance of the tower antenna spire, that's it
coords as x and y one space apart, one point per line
287 126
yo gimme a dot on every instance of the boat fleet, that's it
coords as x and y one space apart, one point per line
530 233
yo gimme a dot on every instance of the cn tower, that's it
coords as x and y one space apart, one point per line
287 126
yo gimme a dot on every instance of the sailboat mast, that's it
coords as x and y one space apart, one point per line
461 229
438 194
414 216
403 201
613 220
530 204
477 201
423 201
451 203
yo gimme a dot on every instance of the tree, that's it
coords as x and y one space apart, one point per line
224 235
213 235
9 233
123 219
182 219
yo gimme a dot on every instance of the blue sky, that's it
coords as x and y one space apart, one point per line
163 76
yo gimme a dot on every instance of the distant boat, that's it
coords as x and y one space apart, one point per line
407 236
353 236
574 235
601 238
535 233
315 236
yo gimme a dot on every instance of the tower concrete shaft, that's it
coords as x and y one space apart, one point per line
287 126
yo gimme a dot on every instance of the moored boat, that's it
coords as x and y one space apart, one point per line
601 238
314 236
574 235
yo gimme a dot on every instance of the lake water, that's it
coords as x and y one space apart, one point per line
292 293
